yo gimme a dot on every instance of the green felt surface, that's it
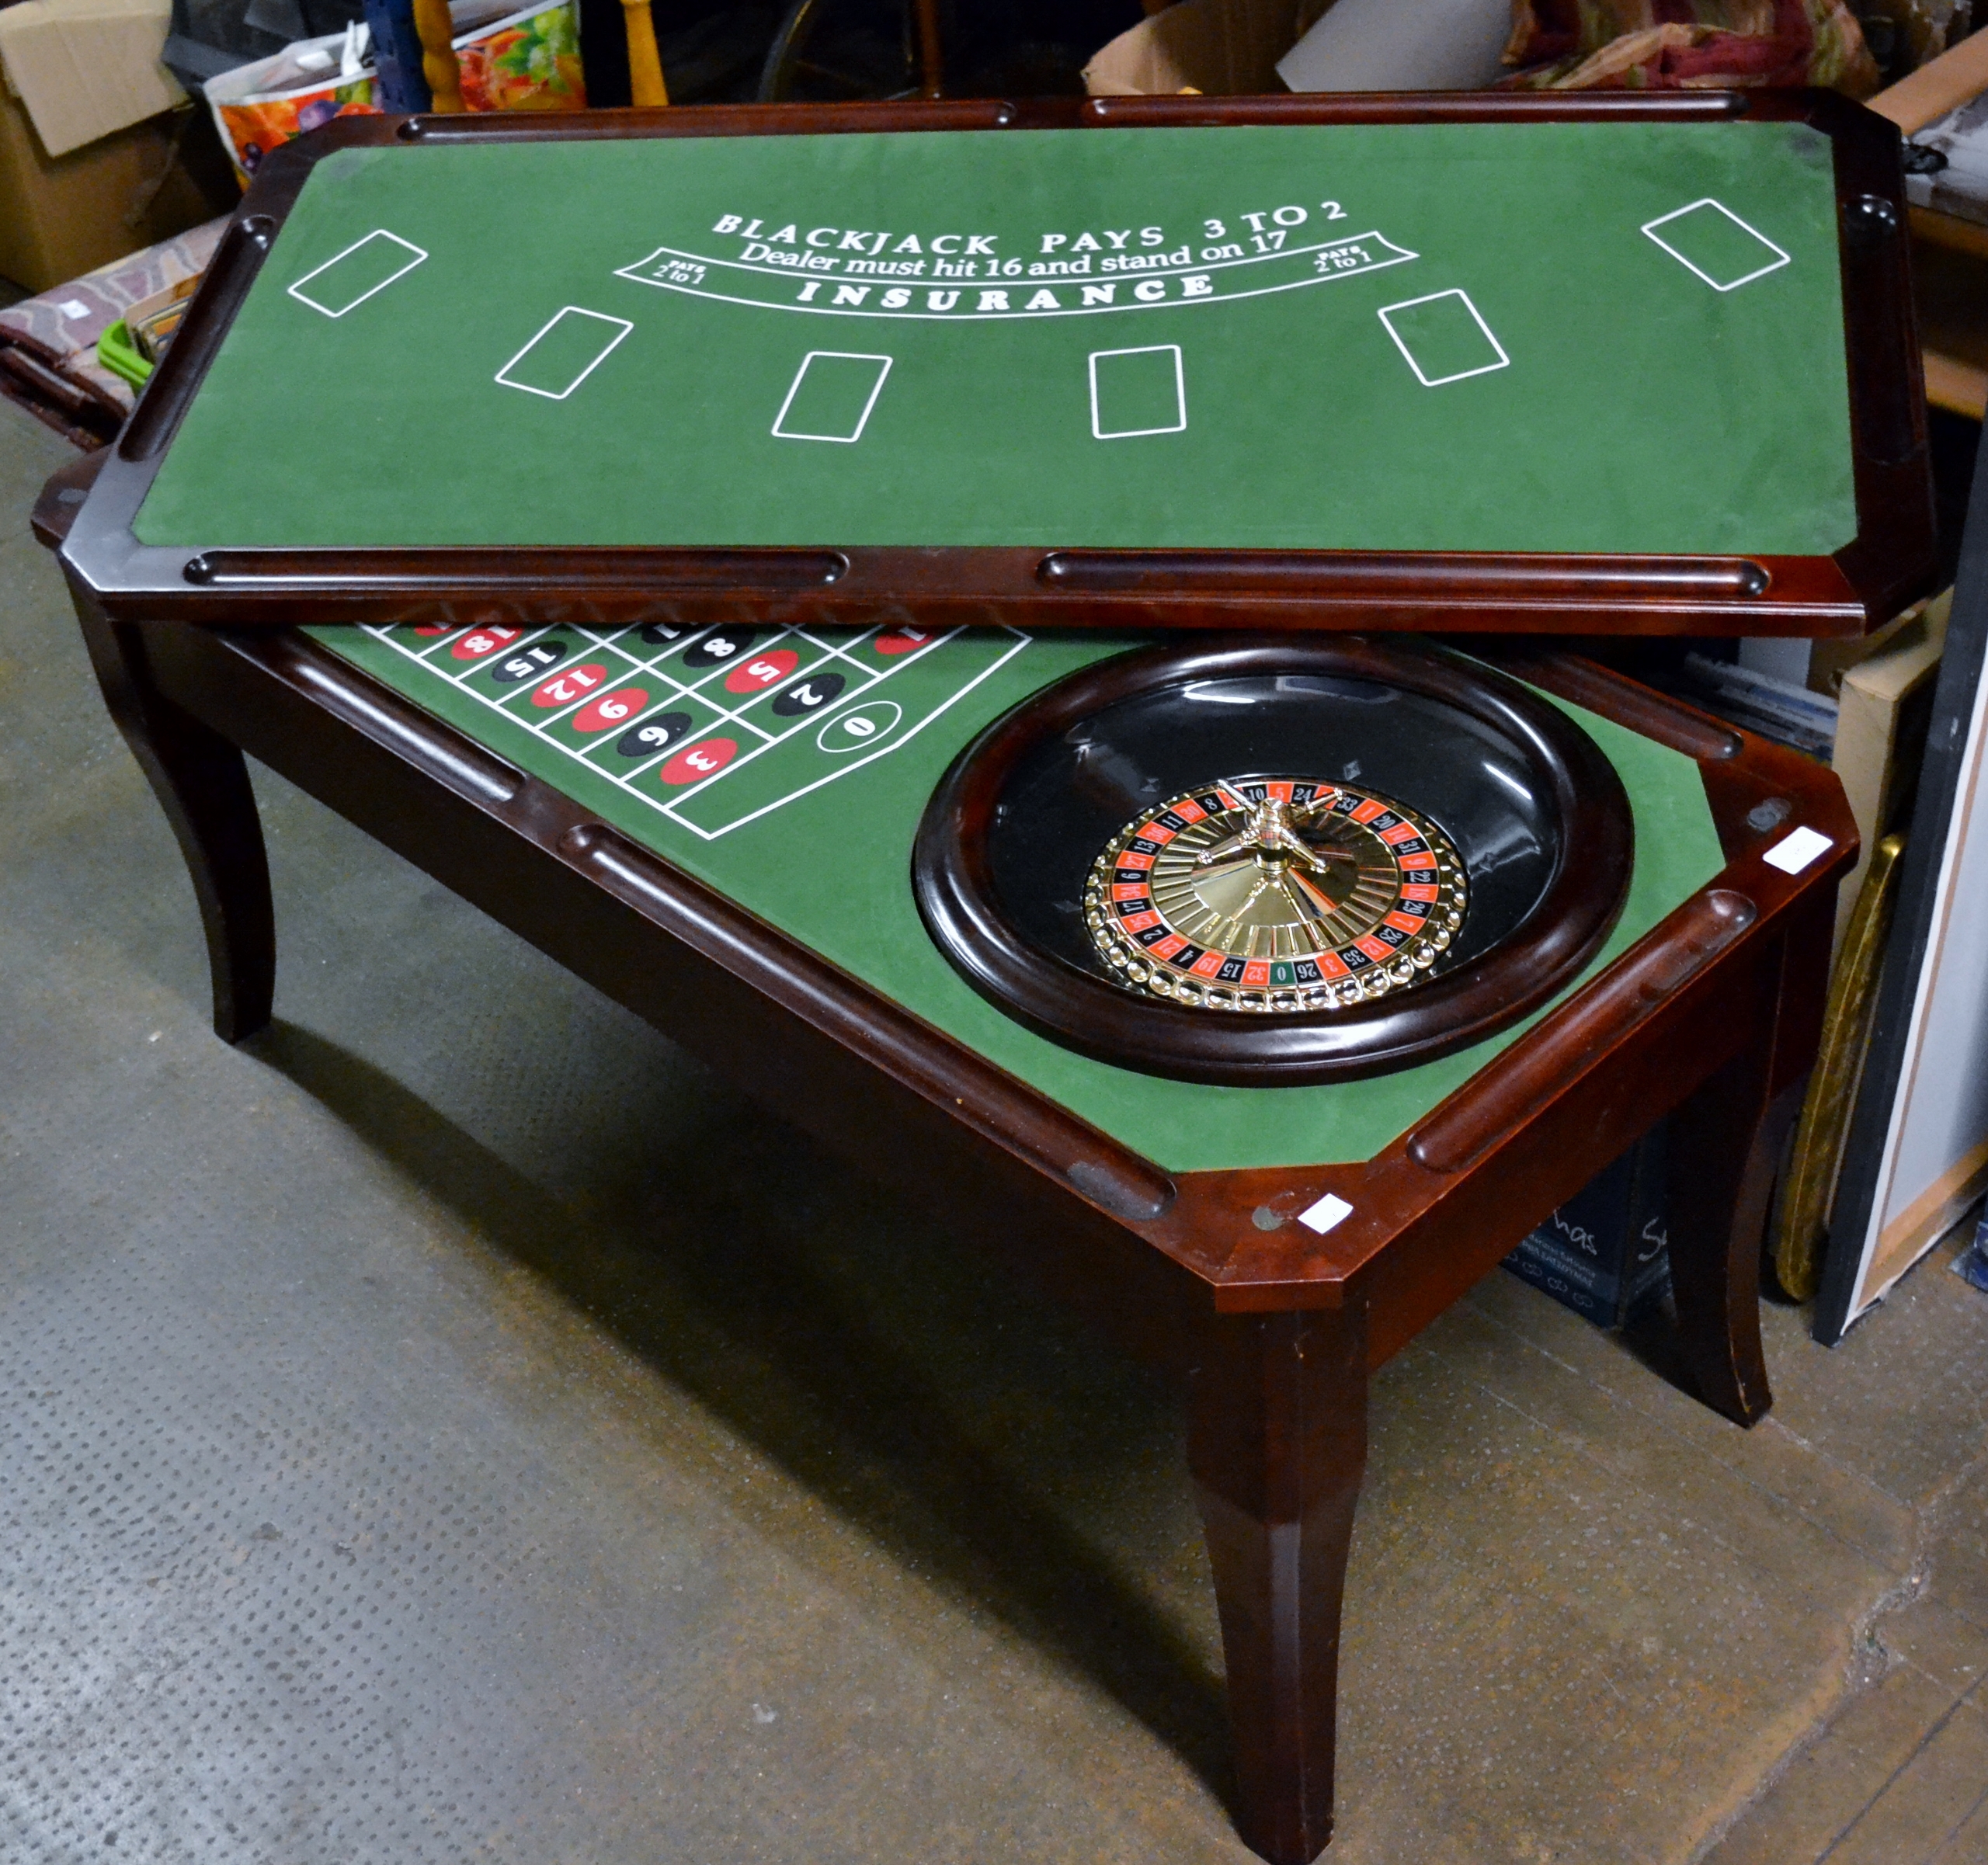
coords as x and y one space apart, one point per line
1637 407
807 820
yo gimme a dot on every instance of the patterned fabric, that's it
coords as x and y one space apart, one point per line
528 61
48 344
1687 45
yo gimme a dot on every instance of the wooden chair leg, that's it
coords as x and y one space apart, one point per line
1278 1442
202 783
1724 1144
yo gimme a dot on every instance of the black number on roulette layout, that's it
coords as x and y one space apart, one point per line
721 645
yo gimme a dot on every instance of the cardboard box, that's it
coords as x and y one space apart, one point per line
1222 48
91 141
85 69
1882 707
63 215
1392 45
1605 1253
1955 330
1934 90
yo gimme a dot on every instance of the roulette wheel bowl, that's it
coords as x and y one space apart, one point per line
1507 803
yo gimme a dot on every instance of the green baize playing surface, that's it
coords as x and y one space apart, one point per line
816 751
1572 336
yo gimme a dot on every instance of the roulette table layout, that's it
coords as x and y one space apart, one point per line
1253 990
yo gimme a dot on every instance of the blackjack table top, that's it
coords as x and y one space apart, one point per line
1575 363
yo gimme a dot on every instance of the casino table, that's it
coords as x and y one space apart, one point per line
1465 362
752 880
810 677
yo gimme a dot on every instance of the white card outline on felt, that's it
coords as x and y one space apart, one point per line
297 292
1135 433
1462 375
800 375
576 311
1648 229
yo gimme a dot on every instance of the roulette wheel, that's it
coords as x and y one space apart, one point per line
1275 862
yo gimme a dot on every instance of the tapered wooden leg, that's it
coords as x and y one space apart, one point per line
1277 1441
202 784
1724 1143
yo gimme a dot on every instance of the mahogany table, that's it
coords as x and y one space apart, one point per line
886 411
1271 1291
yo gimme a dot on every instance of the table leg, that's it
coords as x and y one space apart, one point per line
1724 1144
202 783
1278 1442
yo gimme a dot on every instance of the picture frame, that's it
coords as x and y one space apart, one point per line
1917 1153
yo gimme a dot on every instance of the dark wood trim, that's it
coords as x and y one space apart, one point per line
1896 527
1276 1442
1377 576
1474 1118
1697 734
202 783
169 391
405 577
1242 591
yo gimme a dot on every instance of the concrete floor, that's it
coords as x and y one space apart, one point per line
455 1427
